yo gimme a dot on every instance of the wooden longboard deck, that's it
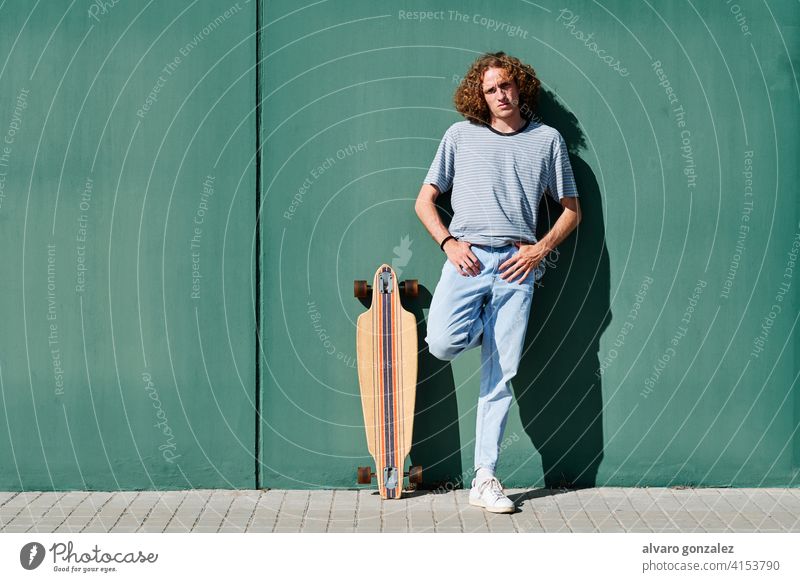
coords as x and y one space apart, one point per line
386 349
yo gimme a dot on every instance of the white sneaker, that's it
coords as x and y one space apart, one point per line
489 495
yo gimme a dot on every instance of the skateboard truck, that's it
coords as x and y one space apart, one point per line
386 282
390 475
362 290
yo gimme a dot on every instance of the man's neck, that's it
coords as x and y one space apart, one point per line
509 125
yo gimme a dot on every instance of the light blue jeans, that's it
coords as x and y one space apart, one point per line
483 309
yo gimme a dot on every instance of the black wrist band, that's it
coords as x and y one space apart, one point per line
447 238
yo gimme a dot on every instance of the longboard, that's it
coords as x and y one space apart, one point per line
386 350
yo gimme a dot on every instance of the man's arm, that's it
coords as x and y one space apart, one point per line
565 224
458 252
529 256
425 208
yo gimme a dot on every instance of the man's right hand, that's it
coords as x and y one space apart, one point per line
459 253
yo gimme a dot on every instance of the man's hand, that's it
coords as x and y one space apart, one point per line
530 255
523 262
465 261
458 252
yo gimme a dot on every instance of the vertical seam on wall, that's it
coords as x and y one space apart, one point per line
258 252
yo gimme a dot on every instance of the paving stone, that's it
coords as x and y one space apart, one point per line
448 529
421 522
500 523
127 523
476 527
177 528
347 515
604 509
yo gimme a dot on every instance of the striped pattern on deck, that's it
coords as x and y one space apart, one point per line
388 382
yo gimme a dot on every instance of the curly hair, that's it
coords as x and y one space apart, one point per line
469 100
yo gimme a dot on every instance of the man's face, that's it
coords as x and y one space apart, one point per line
501 93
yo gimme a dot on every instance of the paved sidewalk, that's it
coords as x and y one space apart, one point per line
607 509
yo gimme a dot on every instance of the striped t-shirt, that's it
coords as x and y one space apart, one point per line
498 179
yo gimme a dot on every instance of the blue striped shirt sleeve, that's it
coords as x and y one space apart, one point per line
443 167
561 182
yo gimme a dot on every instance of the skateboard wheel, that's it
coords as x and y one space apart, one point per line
415 474
360 288
410 287
364 475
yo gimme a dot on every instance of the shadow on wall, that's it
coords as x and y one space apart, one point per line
557 387
437 441
558 393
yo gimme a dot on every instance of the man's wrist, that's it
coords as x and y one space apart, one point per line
444 241
547 246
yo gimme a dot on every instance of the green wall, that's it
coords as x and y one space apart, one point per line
656 224
113 375
129 355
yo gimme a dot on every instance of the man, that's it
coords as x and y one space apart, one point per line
498 163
